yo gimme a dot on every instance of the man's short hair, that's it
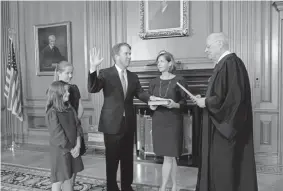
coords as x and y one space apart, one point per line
117 47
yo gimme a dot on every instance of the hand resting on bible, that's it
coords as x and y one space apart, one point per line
169 103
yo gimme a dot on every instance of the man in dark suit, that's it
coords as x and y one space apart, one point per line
50 54
117 115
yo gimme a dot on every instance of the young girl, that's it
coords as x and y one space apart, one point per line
64 72
65 137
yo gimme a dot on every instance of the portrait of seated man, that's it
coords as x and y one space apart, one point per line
50 55
164 14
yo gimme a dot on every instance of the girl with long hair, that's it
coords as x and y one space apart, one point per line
65 137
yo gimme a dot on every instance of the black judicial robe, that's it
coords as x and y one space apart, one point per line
227 150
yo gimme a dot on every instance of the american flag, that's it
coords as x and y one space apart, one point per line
12 90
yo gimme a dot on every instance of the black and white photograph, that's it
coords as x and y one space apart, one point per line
141 95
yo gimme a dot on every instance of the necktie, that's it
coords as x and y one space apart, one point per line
123 81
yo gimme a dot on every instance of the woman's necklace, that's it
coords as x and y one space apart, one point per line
166 89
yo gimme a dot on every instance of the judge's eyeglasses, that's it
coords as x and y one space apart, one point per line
208 46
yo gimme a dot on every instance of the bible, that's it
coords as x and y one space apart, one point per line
159 102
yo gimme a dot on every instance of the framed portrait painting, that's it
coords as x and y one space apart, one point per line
164 19
52 45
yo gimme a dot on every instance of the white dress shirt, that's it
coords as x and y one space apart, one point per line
125 75
126 79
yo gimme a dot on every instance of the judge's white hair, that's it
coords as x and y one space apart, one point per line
220 37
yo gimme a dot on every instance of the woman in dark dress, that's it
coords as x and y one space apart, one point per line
65 137
167 120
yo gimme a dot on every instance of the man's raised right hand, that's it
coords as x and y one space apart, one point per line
94 59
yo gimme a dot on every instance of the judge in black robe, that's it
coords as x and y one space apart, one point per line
227 150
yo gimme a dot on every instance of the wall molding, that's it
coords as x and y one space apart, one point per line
84 96
40 103
278 5
182 63
266 111
266 64
267 158
279 8
118 27
36 98
98 21
209 19
281 89
255 41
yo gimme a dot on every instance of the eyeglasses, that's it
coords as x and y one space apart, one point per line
208 46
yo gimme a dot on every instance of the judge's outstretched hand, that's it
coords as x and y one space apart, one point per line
194 98
95 59
198 96
199 101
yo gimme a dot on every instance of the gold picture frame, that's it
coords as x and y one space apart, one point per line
164 19
52 45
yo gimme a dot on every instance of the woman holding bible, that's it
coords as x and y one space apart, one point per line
167 120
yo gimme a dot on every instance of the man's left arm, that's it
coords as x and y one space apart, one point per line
140 93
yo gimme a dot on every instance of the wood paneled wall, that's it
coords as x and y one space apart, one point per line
5 21
253 28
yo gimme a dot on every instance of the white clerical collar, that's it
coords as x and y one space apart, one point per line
223 55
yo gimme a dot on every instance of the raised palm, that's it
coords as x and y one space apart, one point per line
95 59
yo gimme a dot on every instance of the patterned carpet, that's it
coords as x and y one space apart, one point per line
21 178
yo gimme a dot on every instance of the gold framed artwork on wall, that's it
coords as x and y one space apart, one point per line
52 45
164 19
